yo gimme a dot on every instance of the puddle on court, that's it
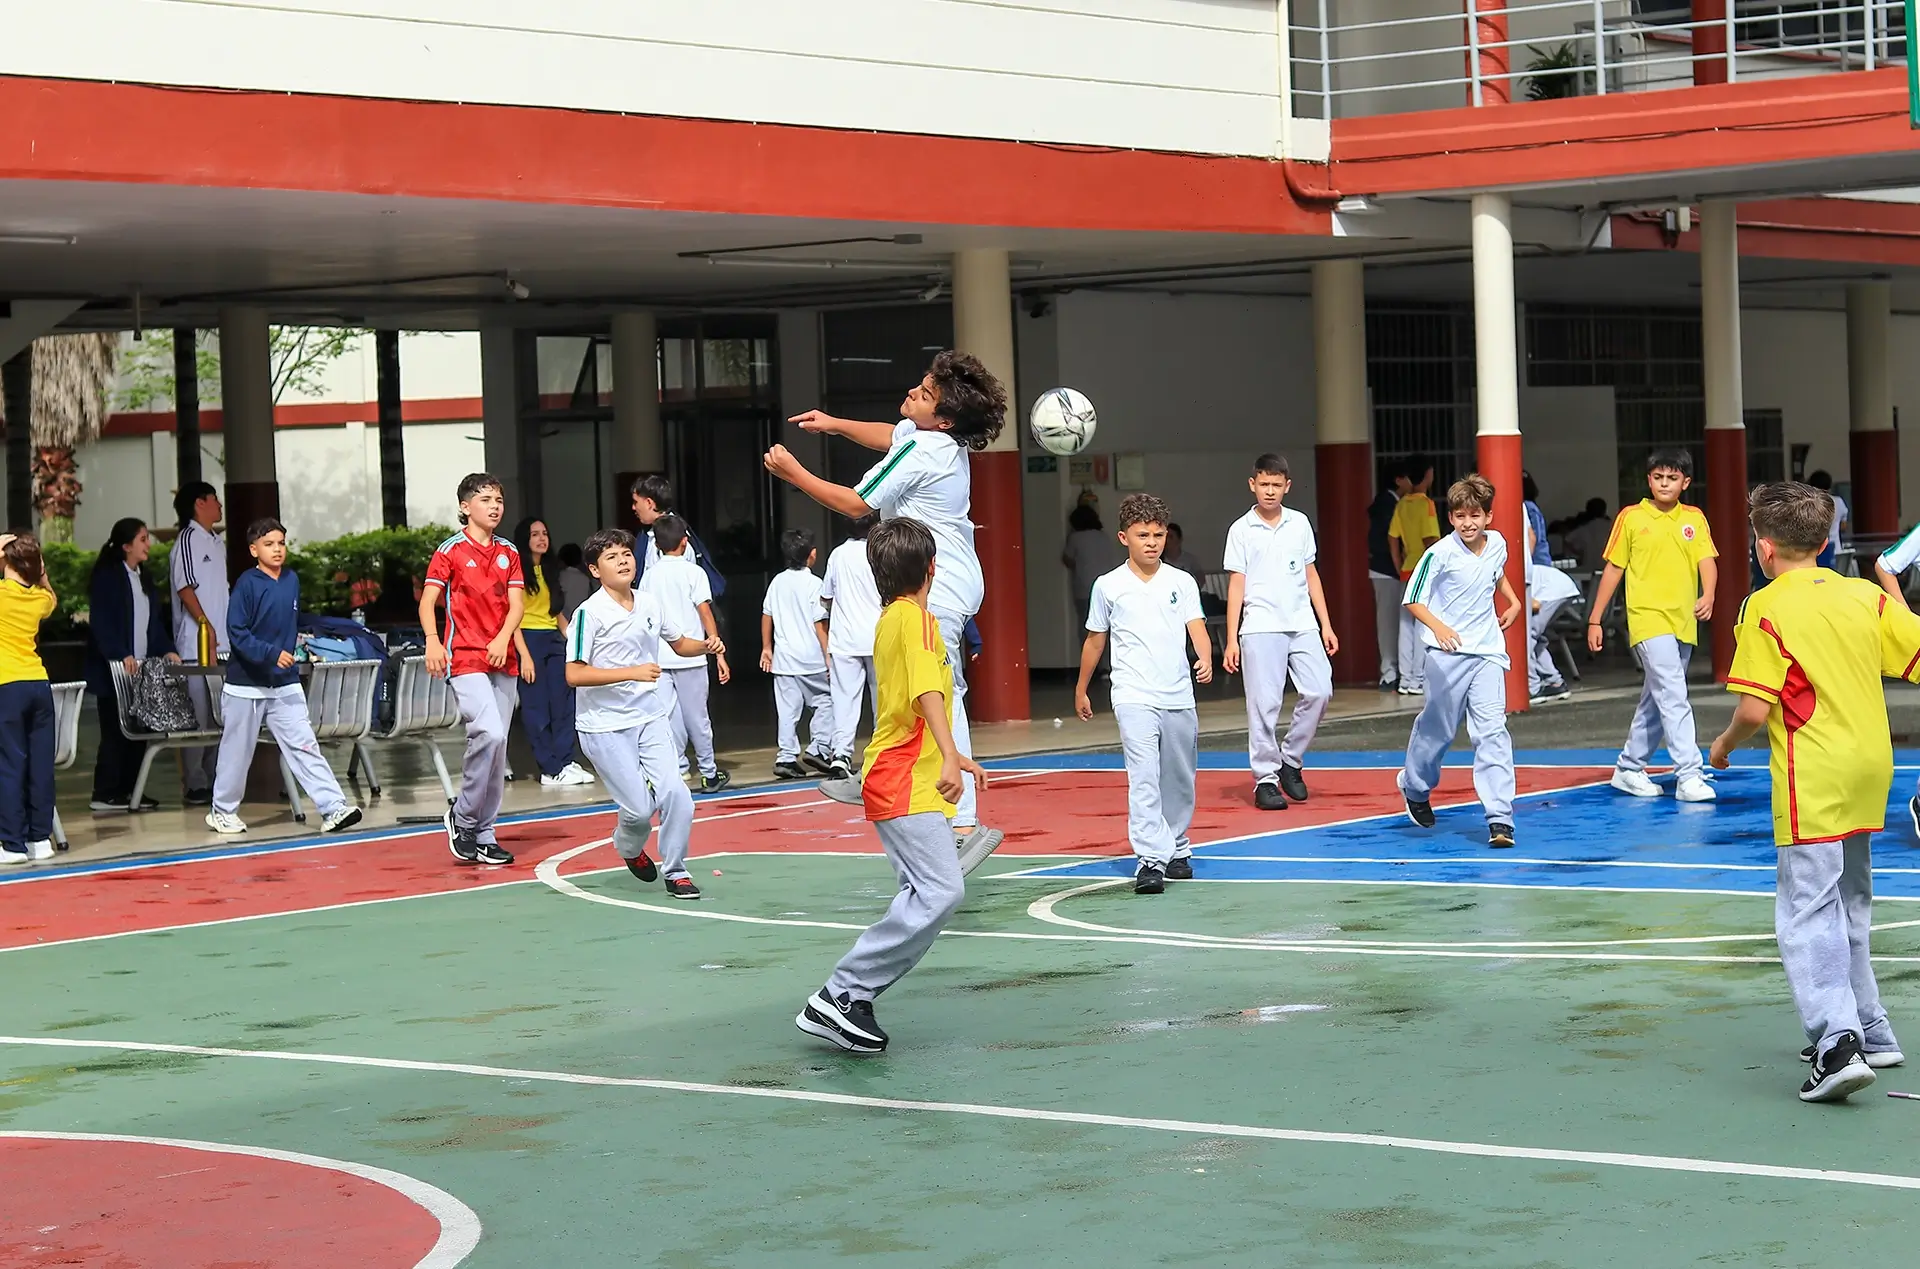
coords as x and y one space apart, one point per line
1229 1018
455 1128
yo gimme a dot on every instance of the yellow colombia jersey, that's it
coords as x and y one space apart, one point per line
1661 553
1815 645
22 609
1414 521
902 763
539 611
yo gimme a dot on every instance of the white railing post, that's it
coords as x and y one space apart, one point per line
1472 8
1326 69
1600 47
1866 31
1733 40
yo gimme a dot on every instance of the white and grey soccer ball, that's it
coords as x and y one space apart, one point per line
1062 421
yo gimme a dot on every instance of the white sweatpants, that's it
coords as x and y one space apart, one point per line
1413 651
1162 748
285 715
1386 622
851 676
637 766
690 718
794 694
1266 662
1664 710
1540 666
1474 687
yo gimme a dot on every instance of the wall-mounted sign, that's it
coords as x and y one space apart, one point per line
1042 464
1130 472
1090 469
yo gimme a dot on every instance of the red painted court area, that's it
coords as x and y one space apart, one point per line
1043 813
143 1205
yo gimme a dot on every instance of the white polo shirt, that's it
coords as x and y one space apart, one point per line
926 476
679 587
608 636
1274 559
1458 587
1145 621
1549 585
856 600
199 560
793 601
1900 557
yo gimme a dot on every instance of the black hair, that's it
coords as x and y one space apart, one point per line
1416 466
602 540
669 531
472 483
114 552
569 554
796 546
263 526
863 525
656 489
971 400
1173 527
1083 517
1271 465
1596 507
529 575
1672 459
899 551
186 496
1528 489
1821 479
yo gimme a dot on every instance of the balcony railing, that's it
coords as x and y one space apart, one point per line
1430 54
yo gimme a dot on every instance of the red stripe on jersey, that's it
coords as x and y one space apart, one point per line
888 789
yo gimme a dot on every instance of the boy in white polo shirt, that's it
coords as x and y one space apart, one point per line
685 596
1151 612
1451 595
622 715
1277 626
853 610
793 648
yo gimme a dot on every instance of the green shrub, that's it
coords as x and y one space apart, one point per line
70 570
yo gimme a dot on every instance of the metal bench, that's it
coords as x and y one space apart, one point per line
67 700
339 706
423 705
133 729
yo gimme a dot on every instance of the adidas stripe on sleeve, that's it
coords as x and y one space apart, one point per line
1902 555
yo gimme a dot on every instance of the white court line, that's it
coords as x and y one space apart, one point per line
459 1225
1184 1127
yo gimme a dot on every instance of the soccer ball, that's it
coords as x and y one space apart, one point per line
1062 421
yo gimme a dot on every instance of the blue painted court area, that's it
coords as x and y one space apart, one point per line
1587 837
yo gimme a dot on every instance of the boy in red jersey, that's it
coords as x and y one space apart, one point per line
910 782
480 576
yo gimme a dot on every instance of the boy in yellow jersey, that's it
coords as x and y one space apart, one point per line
1415 527
1663 549
1813 647
911 779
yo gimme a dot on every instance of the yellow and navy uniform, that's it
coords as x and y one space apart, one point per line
22 609
1414 522
902 763
1661 553
538 614
1815 645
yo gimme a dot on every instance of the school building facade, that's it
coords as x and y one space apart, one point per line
1531 234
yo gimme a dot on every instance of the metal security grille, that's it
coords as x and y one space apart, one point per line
1420 371
1766 447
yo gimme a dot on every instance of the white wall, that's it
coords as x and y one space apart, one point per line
1192 75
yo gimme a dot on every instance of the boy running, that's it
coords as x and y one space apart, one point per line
681 589
910 780
1451 596
1151 611
793 648
623 716
1660 546
853 610
480 576
1812 649
1412 532
1277 624
958 407
263 619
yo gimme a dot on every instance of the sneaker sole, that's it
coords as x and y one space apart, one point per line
980 844
806 1021
685 897
1633 793
1840 1085
1886 1059
845 792
824 1012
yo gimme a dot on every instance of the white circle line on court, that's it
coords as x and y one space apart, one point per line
459 1225
1184 1127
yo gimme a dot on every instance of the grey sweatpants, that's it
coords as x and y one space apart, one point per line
1413 651
1540 666
1266 662
953 628
486 707
1162 750
793 694
285 715
1822 911
1664 709
637 765
690 719
200 765
1474 687
920 848
851 676
1386 623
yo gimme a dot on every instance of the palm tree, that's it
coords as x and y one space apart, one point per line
72 377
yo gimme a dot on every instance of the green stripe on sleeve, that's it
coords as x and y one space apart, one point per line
885 470
1422 572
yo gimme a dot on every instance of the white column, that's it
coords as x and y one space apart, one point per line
1340 352
500 410
983 320
1869 370
1495 347
639 443
1720 315
246 395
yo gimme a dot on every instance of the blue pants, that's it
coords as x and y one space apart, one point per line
546 704
26 762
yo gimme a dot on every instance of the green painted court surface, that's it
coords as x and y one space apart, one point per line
1562 1112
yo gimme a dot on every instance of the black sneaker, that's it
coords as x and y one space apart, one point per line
1842 1072
1293 782
1180 869
643 868
1420 813
197 797
1553 692
716 782
1913 813
1267 796
682 888
465 847
1499 836
790 771
840 769
453 835
1878 1059
491 853
1151 879
816 764
1389 685
844 1021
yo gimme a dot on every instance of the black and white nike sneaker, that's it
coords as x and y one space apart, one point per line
1838 1074
842 1020
492 854
1878 1059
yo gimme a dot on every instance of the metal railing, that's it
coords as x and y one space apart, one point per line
1432 54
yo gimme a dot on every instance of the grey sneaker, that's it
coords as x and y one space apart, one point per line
976 846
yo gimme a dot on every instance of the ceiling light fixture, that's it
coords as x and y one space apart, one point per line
36 240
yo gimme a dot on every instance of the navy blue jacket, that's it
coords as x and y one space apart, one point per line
110 624
263 618
704 558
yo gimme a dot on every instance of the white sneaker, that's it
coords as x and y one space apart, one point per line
1634 782
553 781
225 822
341 820
41 850
574 773
1695 789
11 854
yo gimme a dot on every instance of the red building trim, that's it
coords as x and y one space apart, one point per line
1843 230
310 414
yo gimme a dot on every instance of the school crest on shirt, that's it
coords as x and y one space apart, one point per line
1686 531
500 560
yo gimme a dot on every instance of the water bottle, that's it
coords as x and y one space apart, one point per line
360 616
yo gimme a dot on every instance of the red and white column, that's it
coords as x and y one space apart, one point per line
1343 462
1726 472
1873 444
1497 389
246 409
997 687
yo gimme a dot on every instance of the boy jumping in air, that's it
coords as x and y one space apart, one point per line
1812 649
1451 596
1660 546
1151 611
480 576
